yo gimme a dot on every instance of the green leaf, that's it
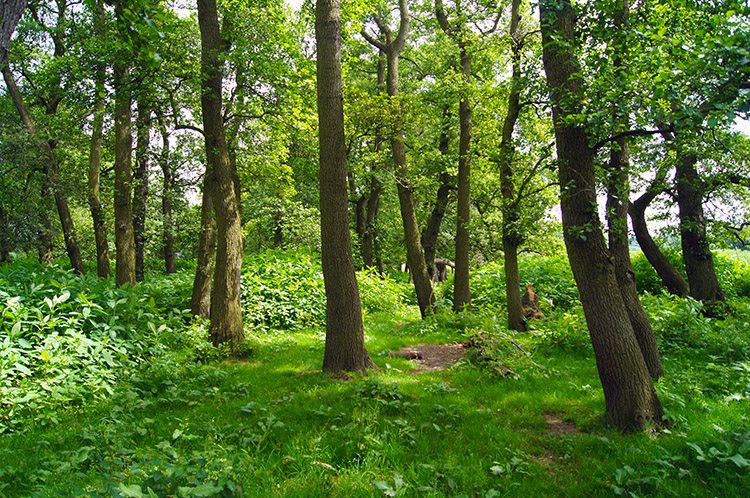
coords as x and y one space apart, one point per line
15 329
132 491
739 461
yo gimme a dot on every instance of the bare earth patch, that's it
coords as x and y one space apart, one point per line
432 357
557 426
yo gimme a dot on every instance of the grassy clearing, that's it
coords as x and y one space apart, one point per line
182 421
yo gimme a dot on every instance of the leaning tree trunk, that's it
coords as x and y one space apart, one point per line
345 343
618 193
226 309
414 256
51 171
696 250
630 398
200 302
672 279
512 235
617 214
140 185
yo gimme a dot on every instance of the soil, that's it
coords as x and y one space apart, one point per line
557 426
432 357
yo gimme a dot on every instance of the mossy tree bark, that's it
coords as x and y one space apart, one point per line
226 311
630 398
345 346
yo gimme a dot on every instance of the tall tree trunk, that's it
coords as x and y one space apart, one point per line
696 251
167 195
200 302
345 343
461 287
617 217
226 310
140 184
93 191
672 279
512 236
618 193
630 398
414 256
375 189
51 171
124 233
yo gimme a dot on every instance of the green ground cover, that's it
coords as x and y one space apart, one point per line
130 400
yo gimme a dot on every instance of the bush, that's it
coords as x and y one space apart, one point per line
68 336
551 277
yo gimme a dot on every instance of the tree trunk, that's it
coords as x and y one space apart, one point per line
10 14
95 161
51 171
124 234
630 398
140 184
696 251
414 256
167 195
226 310
512 236
345 346
461 287
617 218
672 279
200 303
618 193
432 228
45 249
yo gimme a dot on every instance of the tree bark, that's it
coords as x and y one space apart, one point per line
200 302
618 192
696 250
226 311
10 14
415 257
435 220
167 195
93 190
672 279
51 171
140 184
512 235
345 346
461 287
630 398
124 234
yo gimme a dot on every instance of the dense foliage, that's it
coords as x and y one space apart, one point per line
110 392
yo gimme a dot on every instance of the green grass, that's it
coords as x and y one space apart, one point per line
182 421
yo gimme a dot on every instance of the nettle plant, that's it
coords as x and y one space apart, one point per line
65 337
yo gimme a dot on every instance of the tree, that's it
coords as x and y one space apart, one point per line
140 180
630 398
392 44
460 35
51 170
344 348
226 310
618 193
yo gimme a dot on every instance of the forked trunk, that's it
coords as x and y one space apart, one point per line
630 398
